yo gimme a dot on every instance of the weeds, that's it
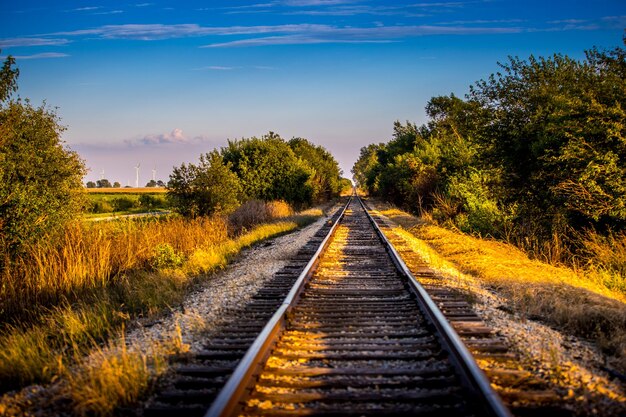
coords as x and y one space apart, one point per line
586 302
82 288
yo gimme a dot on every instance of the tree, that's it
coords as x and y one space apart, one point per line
116 184
8 79
40 179
91 184
325 180
151 183
269 170
203 189
160 183
103 183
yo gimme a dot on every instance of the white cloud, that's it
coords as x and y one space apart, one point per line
175 137
43 55
216 68
17 42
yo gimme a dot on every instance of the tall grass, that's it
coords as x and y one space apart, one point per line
92 255
71 294
588 302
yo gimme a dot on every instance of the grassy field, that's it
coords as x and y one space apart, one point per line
588 302
131 190
120 201
67 300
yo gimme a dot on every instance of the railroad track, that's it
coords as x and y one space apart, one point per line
355 335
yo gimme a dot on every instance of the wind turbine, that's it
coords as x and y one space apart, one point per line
102 174
137 175
154 174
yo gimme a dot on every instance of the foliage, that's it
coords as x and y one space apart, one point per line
326 175
91 184
165 256
103 183
116 184
203 189
40 180
270 170
8 79
533 154
151 183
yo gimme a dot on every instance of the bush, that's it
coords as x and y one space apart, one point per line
40 179
166 257
203 189
124 203
152 202
254 212
101 206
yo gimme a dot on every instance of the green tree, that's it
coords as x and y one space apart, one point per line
8 79
103 183
151 183
203 189
116 184
91 184
269 170
40 179
325 180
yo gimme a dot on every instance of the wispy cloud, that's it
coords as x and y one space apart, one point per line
175 137
377 34
289 40
17 42
85 9
110 12
43 55
160 31
215 68
144 4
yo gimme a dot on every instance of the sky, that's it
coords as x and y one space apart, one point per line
157 83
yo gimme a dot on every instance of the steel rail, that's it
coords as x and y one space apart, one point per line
462 359
226 402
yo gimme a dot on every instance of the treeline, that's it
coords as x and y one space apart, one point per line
267 168
535 154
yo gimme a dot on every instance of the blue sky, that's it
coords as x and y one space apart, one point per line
159 82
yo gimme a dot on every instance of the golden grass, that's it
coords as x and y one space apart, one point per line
579 302
93 279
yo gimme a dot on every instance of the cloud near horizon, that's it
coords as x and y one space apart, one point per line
176 136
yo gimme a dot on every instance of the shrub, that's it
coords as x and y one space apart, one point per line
101 206
278 209
166 257
203 189
40 179
123 203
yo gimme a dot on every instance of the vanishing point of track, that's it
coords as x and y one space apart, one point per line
355 335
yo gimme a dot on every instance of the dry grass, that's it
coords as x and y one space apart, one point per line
86 285
579 302
91 255
255 212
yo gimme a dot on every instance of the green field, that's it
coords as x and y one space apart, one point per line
120 201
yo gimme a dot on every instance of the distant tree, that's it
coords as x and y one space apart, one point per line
326 175
8 79
103 183
116 184
151 183
203 189
160 183
91 184
269 170
40 179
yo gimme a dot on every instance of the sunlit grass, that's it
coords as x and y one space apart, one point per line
66 298
582 302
